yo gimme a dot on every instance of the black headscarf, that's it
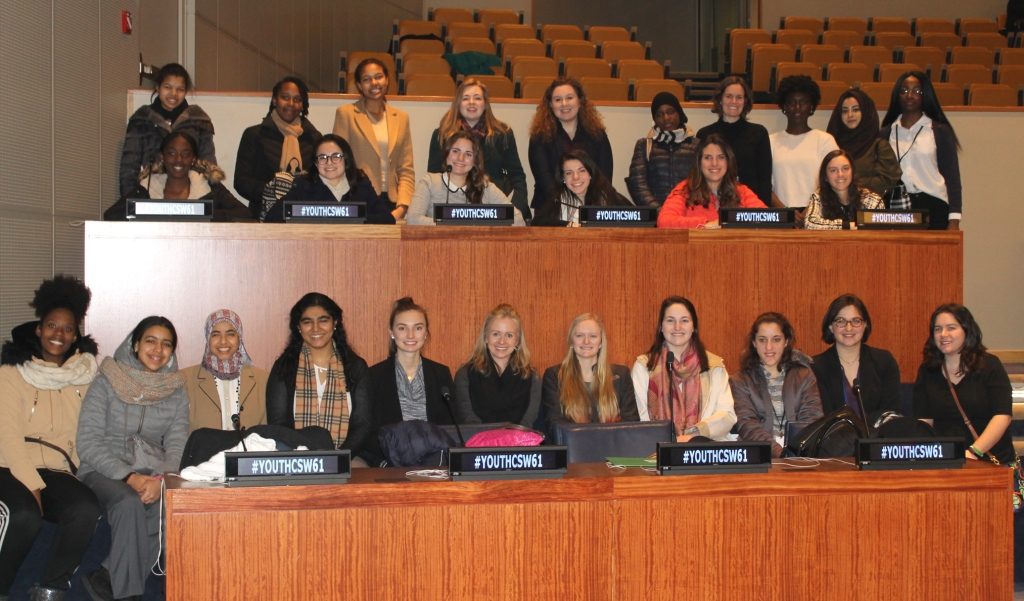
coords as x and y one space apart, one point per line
855 141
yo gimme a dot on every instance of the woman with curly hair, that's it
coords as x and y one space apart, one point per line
959 377
463 182
565 120
580 183
835 204
470 111
47 367
798 150
712 185
319 380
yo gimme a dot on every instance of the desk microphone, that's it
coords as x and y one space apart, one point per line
236 421
447 191
860 401
446 397
671 394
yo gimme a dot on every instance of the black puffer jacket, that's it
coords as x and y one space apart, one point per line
652 177
24 345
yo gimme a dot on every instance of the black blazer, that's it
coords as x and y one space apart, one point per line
879 377
281 399
388 410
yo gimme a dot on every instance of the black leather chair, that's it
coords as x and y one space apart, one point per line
595 442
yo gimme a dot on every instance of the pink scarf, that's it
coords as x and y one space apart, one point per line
686 385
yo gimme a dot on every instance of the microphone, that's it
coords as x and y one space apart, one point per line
671 394
236 421
860 401
446 397
447 191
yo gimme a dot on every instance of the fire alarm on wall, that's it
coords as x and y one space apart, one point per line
126 22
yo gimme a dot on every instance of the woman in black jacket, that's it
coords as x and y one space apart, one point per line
284 141
407 385
319 380
663 157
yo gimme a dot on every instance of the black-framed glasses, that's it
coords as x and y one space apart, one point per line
856 322
334 157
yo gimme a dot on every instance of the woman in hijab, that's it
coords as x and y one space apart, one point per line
854 125
47 367
225 384
132 431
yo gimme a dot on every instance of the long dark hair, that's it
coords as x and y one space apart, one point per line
600 191
700 193
750 361
303 92
290 355
476 179
659 336
838 304
352 172
929 103
973 349
831 207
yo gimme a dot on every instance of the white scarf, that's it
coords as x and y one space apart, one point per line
78 370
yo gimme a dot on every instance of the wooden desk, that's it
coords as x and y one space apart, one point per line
185 271
832 533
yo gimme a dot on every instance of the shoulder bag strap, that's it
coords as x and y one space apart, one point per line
67 457
959 407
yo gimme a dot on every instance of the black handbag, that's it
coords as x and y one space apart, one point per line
833 435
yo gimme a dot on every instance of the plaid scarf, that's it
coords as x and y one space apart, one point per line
686 382
331 411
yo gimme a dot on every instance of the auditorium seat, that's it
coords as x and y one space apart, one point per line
930 58
638 69
890 25
991 94
495 16
813 24
562 49
851 73
429 84
966 25
842 38
599 34
795 37
578 67
450 15
932 25
870 55
821 55
939 39
595 442
551 32
963 75
855 24
417 62
484 45
830 92
1011 75
467 30
949 94
521 47
986 39
508 31
786 68
1010 56
880 92
404 27
737 45
532 86
498 86
523 66
890 72
972 55
762 57
606 88
350 60
614 51
644 90
894 40
417 45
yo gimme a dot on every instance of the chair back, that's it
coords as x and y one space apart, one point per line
595 442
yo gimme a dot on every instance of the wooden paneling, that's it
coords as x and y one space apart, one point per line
184 271
830 533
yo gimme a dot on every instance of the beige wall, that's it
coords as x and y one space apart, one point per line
772 10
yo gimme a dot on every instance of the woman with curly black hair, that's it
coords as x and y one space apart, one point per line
47 367
797 151
319 380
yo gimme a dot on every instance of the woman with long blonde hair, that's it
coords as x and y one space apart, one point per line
585 387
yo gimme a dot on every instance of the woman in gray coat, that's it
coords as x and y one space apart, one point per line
775 385
131 431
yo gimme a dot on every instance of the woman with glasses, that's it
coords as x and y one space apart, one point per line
334 178
926 147
850 364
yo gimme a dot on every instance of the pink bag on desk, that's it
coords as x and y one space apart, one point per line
509 436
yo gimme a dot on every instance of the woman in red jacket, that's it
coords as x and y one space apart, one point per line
694 203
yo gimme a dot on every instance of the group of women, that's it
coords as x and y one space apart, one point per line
910 159
80 439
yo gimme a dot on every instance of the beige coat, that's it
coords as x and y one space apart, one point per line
352 122
204 401
55 420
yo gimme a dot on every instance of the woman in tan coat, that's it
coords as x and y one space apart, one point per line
380 138
225 384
